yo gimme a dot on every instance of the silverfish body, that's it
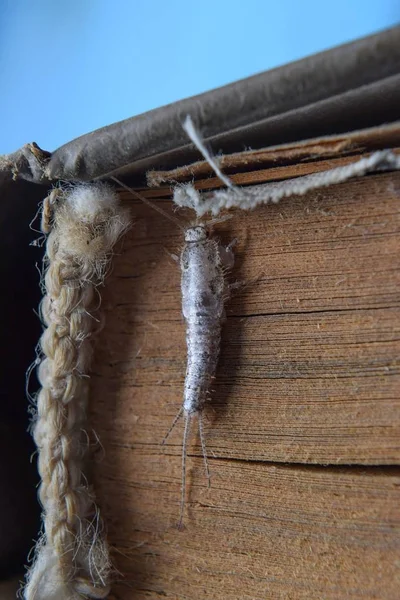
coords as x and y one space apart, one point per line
204 291
204 262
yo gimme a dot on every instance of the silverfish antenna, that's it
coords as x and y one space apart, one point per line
149 203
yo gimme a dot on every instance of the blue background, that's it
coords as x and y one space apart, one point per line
67 68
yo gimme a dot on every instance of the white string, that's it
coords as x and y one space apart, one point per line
194 135
251 197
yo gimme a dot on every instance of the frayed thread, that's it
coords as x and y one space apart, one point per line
186 195
83 223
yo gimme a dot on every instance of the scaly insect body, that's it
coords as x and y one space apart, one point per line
204 263
204 291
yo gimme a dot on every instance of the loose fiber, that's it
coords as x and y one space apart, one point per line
83 223
248 198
